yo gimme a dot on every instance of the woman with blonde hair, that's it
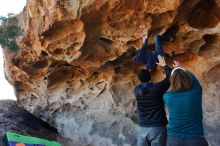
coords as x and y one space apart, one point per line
184 103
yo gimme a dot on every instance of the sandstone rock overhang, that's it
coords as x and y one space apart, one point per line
74 67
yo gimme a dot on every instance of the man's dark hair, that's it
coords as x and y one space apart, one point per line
144 75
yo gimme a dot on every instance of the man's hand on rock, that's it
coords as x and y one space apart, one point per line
162 61
176 64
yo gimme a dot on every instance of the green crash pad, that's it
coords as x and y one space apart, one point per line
13 139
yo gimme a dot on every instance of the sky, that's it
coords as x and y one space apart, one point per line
8 6
11 6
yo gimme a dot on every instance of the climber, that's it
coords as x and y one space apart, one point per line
151 116
184 103
148 58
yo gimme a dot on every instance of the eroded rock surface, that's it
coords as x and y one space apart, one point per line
17 120
74 68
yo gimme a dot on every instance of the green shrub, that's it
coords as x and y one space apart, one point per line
9 31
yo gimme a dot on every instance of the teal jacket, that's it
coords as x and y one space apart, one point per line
185 111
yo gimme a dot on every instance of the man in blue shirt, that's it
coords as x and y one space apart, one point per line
148 58
151 116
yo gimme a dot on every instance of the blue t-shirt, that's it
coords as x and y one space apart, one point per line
185 111
146 57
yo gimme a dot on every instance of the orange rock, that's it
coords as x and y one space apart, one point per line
75 60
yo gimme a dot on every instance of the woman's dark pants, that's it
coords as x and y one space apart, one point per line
173 141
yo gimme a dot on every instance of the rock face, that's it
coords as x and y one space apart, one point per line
74 66
15 119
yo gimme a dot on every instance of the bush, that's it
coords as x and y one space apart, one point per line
9 31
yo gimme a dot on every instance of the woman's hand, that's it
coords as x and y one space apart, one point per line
162 61
176 64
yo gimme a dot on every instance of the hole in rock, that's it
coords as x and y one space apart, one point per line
59 75
40 64
57 64
212 45
58 51
62 28
44 53
95 73
50 31
131 42
15 61
184 57
117 70
210 38
171 31
106 40
204 15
